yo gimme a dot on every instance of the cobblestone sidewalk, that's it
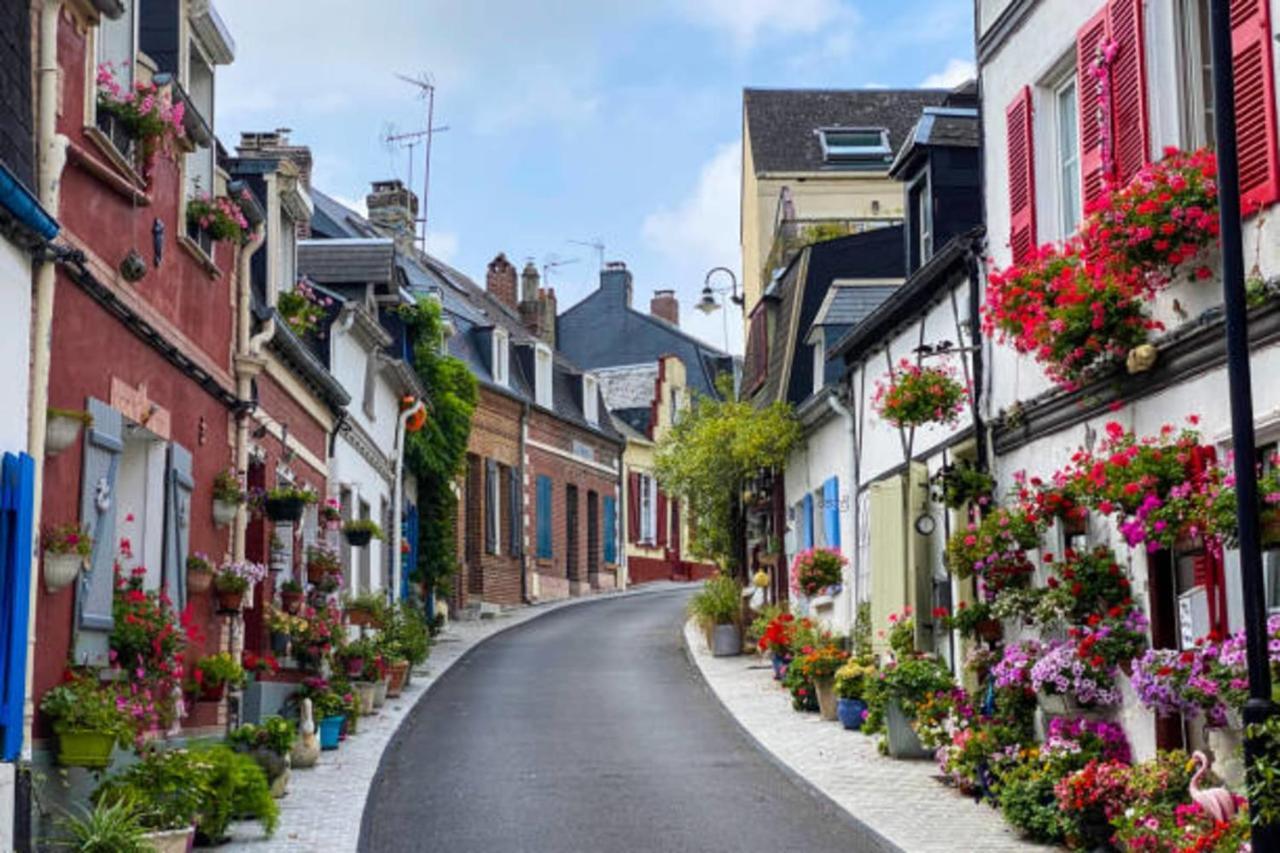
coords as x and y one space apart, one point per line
324 805
901 801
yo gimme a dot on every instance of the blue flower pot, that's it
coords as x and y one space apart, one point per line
330 728
850 712
779 666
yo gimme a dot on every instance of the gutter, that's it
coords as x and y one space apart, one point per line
25 207
248 363
524 462
397 499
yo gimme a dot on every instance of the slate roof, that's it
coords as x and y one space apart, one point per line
849 304
951 127
473 312
348 260
781 123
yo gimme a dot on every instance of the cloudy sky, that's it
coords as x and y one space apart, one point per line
587 120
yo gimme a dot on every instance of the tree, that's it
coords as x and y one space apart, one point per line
706 459
436 453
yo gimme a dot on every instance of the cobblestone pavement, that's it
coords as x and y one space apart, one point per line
901 801
323 808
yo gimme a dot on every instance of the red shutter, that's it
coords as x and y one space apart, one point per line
1255 104
633 507
1022 178
1131 134
661 532
1089 41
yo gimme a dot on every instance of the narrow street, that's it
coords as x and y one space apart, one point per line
586 730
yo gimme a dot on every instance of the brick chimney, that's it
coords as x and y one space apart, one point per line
500 281
547 301
665 305
530 301
275 145
615 278
393 210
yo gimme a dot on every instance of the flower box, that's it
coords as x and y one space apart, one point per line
284 509
902 740
85 749
117 132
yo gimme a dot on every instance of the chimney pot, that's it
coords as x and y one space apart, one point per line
500 280
665 305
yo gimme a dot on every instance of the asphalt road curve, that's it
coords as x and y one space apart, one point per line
587 730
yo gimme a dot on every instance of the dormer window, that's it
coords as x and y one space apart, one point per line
591 399
501 347
542 376
819 360
851 145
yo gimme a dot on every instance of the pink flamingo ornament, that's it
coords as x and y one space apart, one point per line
1218 803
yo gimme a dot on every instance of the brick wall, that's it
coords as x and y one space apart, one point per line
17 147
495 434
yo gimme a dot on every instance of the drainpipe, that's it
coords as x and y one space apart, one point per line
51 151
247 351
851 602
397 490
524 464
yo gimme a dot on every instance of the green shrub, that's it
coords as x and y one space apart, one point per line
110 827
719 602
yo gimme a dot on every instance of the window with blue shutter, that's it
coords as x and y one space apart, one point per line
831 512
103 446
806 509
17 476
544 517
610 530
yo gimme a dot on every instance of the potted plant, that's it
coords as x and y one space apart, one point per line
87 720
329 710
850 687
962 484
227 497
67 547
168 787
291 596
717 608
220 218
331 514
359 531
972 620
913 396
199 573
270 744
906 682
354 655
233 580
109 827
139 120
366 610
232 787
819 666
302 308
63 428
322 564
816 570
213 674
776 640
286 503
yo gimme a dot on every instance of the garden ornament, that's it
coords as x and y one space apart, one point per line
1218 803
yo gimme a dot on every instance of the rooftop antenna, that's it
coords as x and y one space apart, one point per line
411 140
597 244
426 86
553 262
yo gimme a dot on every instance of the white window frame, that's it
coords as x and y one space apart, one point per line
543 375
819 360
834 152
493 506
500 357
1067 220
648 510
1195 116
591 399
205 157
125 68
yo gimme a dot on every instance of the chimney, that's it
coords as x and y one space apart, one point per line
530 301
615 278
393 210
500 281
547 302
275 145
530 281
665 305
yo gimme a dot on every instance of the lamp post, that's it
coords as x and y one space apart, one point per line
708 303
1259 706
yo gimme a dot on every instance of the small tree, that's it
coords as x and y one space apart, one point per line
706 459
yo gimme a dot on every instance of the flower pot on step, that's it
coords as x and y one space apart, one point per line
902 739
780 665
61 570
224 512
826 690
850 712
380 693
364 693
397 673
170 840
330 728
85 749
726 641
355 666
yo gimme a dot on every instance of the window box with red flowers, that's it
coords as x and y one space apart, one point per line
994 548
912 395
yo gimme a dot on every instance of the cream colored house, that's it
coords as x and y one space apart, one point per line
815 163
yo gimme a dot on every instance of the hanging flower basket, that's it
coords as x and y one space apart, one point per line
285 509
224 512
61 570
67 548
199 574
63 428
913 396
230 600
361 531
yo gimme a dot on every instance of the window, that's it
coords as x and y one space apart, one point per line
544 517
492 507
924 221
288 252
1195 67
1066 164
542 380
1271 555
591 399
501 346
117 45
648 510
855 145
610 530
199 164
819 360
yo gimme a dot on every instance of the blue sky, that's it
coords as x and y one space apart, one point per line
568 119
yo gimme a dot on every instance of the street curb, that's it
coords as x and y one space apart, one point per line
546 609
866 837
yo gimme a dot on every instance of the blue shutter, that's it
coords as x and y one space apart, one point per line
17 477
831 512
610 530
103 444
807 512
410 561
544 516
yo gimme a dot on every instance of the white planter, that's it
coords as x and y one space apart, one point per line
60 432
1228 756
169 841
61 570
224 512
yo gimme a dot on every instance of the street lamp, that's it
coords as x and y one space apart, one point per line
708 304
1266 836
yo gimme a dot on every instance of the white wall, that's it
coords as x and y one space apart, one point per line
15 347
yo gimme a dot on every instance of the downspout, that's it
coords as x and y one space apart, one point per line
851 603
51 151
247 349
524 461
972 264
397 491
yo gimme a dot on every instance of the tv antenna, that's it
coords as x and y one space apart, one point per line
553 262
426 86
597 244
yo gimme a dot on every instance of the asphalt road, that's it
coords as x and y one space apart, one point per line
587 730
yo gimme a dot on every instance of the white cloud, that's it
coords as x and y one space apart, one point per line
744 21
442 245
956 72
700 232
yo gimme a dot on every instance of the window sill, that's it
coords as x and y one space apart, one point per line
123 164
109 174
544 563
193 249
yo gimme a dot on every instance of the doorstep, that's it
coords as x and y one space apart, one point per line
901 802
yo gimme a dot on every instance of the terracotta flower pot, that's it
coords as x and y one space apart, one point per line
291 602
230 599
316 572
397 672
213 692
61 570
360 617
199 582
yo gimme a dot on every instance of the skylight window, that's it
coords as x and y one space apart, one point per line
855 144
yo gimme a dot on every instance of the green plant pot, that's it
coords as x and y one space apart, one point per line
85 749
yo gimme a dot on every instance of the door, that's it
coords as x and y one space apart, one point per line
677 565
593 537
1163 591
571 531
